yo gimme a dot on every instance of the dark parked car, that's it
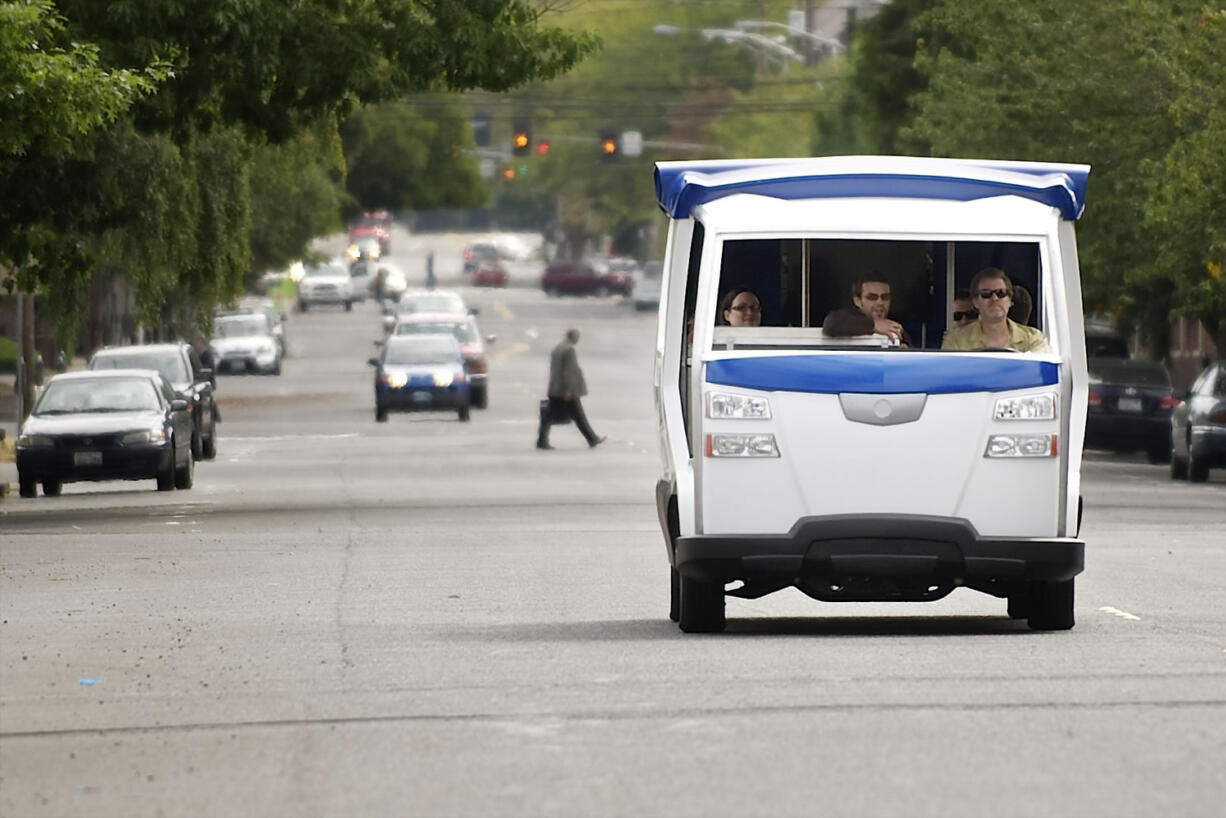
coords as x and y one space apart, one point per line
418 373
1130 407
582 278
120 424
1198 426
179 364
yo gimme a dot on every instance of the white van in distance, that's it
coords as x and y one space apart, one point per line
893 464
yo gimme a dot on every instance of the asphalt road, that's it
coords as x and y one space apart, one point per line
429 617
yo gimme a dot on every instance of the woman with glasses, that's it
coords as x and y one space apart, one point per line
740 308
992 295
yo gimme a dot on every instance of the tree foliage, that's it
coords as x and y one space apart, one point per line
160 184
1133 88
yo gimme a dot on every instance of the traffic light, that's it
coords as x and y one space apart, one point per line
508 173
542 146
521 137
609 148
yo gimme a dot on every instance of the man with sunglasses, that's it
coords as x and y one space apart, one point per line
992 295
871 296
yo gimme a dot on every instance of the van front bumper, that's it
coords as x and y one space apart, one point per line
861 550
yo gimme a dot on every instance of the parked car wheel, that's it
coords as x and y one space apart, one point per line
276 370
1179 468
52 488
209 447
185 477
348 306
463 413
26 488
481 397
1019 605
197 446
702 606
380 414
1198 468
1051 606
166 477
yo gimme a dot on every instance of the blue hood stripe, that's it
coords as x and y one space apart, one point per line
883 373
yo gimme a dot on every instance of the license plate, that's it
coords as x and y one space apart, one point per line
1129 405
87 458
423 397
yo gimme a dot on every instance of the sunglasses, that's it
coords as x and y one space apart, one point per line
986 294
960 314
746 308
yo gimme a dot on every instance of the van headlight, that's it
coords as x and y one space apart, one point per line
728 406
729 445
1021 446
1026 407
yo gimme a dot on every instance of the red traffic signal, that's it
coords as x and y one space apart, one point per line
542 147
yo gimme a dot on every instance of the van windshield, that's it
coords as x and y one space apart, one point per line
865 294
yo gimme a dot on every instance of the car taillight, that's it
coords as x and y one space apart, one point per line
1168 402
1095 398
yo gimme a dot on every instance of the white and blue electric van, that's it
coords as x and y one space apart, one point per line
857 468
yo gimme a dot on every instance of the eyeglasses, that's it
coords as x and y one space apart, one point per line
875 296
960 314
986 294
746 308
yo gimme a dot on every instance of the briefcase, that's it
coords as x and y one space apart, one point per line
554 411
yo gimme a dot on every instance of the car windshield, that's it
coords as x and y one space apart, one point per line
330 269
421 351
242 326
133 394
464 332
432 303
169 363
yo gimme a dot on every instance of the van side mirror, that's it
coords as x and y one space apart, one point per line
474 311
372 361
178 405
489 339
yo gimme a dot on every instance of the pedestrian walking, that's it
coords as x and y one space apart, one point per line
431 281
566 387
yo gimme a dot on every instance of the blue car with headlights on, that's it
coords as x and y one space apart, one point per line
117 424
421 373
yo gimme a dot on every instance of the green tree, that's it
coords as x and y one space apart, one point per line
56 92
403 156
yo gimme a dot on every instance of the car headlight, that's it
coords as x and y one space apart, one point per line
266 349
725 405
395 379
442 377
1026 407
34 441
144 436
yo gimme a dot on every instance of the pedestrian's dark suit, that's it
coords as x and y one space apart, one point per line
565 377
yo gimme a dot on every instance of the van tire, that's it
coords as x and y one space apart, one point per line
674 594
1051 606
1019 605
701 607
1179 468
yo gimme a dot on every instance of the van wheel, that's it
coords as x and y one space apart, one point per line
674 594
1198 468
1051 606
26 487
52 488
463 413
1019 605
702 606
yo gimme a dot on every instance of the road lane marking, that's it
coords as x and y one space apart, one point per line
291 437
503 311
1121 614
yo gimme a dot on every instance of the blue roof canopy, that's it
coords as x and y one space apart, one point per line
682 186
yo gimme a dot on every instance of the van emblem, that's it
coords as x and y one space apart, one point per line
876 410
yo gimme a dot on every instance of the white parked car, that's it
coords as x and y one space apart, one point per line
324 283
646 291
245 343
362 278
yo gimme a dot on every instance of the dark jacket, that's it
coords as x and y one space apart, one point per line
848 321
564 372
